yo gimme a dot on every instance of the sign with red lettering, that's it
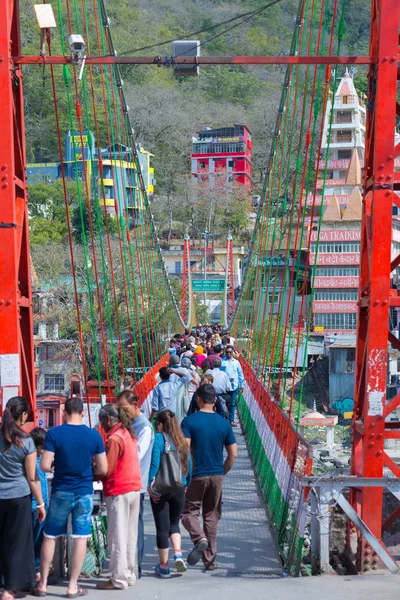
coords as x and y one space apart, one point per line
347 258
337 235
323 422
322 306
336 282
343 200
328 182
344 163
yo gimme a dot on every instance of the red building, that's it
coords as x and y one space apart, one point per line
221 158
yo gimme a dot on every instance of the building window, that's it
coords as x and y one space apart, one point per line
202 164
344 100
35 328
343 116
344 136
343 154
337 271
335 247
178 267
350 359
54 383
336 320
339 295
231 163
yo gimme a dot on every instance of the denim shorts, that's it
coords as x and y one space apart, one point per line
63 504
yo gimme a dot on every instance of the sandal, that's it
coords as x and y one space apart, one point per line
79 593
38 593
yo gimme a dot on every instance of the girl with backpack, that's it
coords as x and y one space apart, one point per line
170 474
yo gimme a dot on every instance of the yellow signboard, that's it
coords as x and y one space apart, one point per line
78 141
319 328
228 139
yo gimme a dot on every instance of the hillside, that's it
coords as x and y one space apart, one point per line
165 110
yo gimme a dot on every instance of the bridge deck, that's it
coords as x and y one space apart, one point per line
250 565
245 543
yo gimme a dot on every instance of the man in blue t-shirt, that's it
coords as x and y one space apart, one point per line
72 447
208 434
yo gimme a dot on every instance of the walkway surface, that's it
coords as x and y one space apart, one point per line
250 568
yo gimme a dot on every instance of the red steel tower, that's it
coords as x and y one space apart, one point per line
371 427
16 330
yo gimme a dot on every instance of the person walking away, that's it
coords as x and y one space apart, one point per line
17 481
165 393
38 435
201 356
232 368
207 434
121 485
145 439
192 386
167 508
222 386
221 381
72 447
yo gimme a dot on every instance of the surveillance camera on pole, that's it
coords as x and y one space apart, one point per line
77 47
182 49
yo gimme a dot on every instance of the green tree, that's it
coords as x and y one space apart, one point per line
43 231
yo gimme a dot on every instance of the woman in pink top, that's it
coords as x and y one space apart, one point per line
199 354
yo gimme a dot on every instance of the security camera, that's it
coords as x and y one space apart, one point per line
77 46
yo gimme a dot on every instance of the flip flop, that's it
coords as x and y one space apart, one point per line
38 593
79 593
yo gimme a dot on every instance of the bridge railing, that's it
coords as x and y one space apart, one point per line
281 459
144 388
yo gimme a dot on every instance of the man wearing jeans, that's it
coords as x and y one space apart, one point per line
72 447
232 368
207 434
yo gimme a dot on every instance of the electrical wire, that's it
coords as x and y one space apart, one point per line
249 14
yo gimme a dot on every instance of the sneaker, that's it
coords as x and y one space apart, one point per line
163 573
180 564
195 555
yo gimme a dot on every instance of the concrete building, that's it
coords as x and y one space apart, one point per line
111 173
221 158
335 246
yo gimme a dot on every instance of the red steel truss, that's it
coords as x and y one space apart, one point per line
186 283
16 329
376 297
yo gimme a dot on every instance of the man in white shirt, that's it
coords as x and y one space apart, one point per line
221 383
234 371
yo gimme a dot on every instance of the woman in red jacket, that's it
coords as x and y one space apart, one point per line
122 485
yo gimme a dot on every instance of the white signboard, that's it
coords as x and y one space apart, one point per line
9 370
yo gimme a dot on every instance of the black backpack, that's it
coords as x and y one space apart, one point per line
169 476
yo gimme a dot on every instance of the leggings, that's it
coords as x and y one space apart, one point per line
167 513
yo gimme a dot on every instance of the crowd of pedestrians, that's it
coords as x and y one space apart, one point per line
176 456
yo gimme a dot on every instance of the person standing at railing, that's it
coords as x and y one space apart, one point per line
232 368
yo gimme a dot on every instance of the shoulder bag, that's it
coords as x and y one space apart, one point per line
169 476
